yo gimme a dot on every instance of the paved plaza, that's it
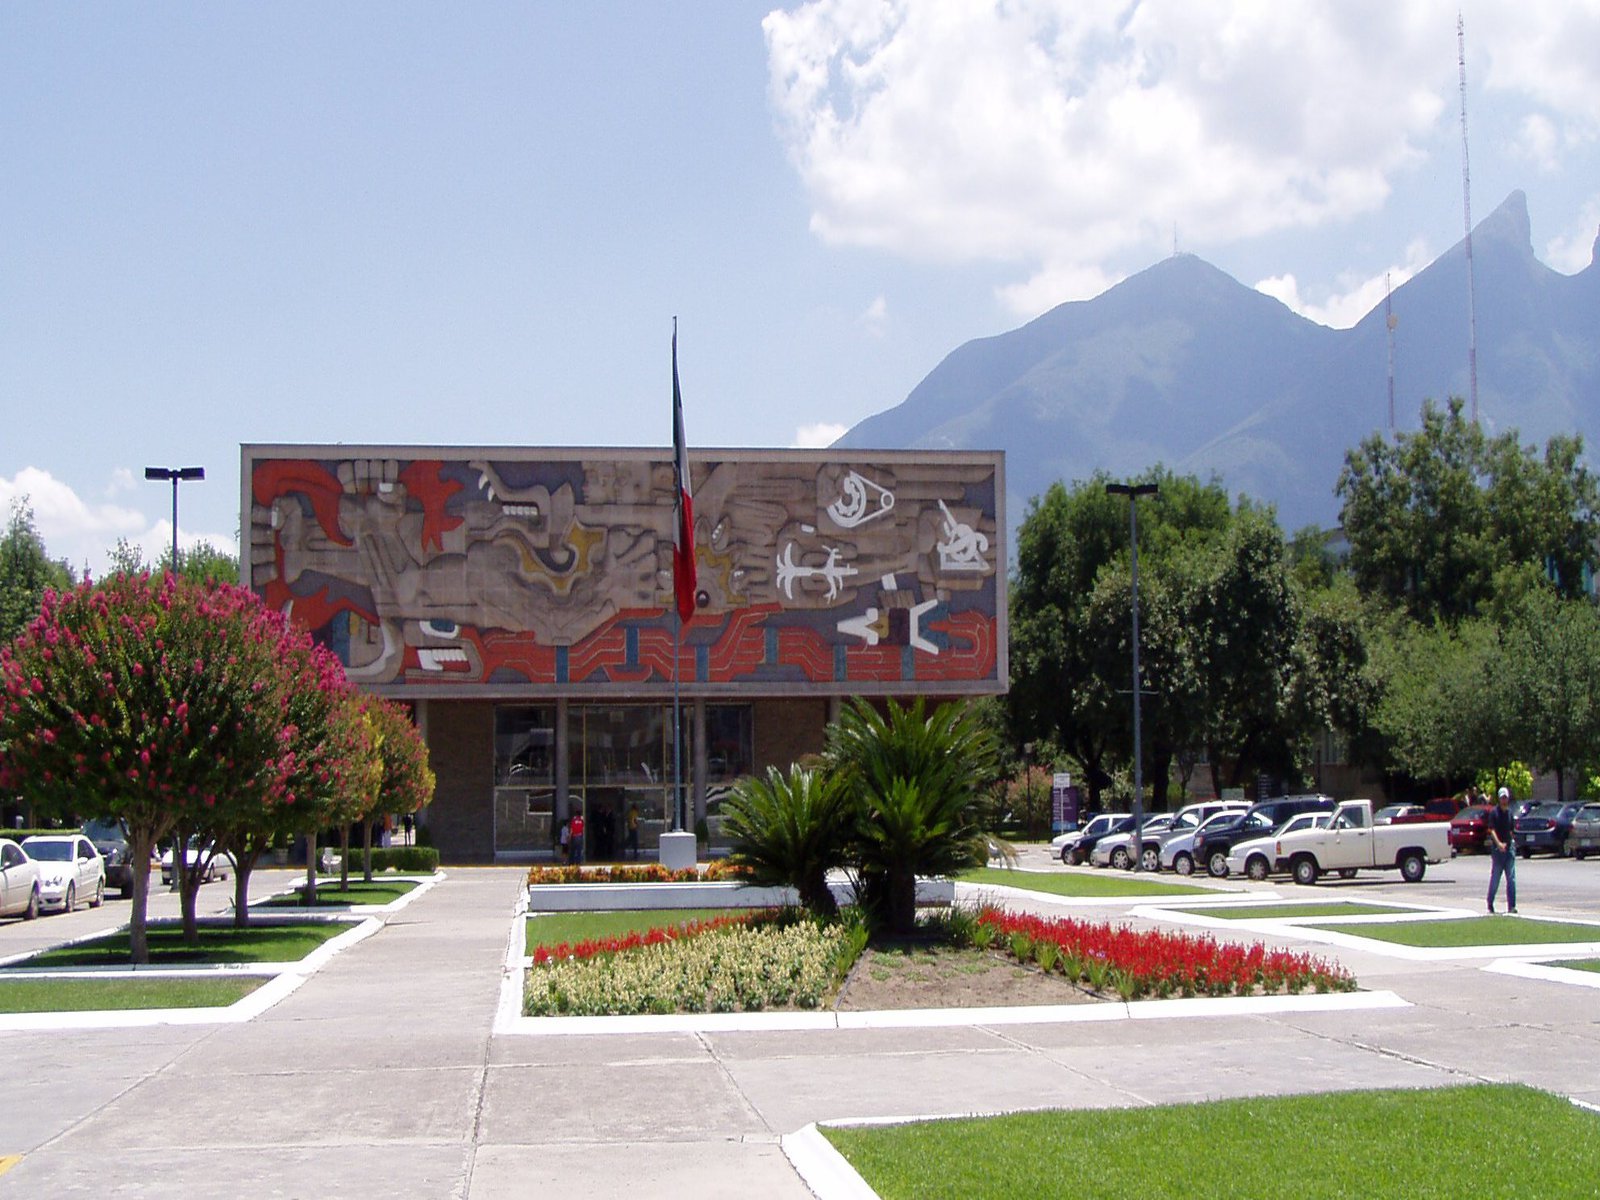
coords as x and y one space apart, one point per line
382 1075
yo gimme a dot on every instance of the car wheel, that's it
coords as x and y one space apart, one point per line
71 904
1119 859
1217 864
1257 868
1527 852
1183 863
99 894
32 910
1077 857
1150 859
1413 867
1305 871
1347 873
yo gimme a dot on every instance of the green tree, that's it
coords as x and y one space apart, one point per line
789 831
1432 516
1551 666
913 779
26 572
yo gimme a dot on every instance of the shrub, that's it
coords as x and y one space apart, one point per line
412 860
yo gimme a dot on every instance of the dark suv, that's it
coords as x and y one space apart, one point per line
110 837
1213 845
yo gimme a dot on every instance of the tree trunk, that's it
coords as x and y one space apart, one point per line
308 897
366 851
903 902
139 859
189 897
344 857
244 865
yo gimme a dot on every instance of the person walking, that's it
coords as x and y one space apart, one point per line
1502 850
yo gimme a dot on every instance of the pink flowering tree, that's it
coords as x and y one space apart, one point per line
405 781
174 705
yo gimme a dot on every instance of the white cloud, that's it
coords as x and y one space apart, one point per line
83 533
876 316
1352 297
1068 137
1538 142
817 437
1572 251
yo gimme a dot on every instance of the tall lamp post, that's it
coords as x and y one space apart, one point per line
1133 491
177 475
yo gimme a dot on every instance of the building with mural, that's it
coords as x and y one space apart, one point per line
521 601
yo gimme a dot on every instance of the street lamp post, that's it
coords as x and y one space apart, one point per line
1133 491
177 475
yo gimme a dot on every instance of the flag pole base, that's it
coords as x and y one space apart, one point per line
677 850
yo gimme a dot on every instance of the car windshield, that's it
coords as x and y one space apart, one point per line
48 851
1220 821
1544 810
103 831
1257 823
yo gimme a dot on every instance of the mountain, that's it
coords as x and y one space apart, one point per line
1183 365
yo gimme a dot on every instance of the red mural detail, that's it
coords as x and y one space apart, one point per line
519 652
313 610
972 654
881 664
743 645
278 478
423 480
806 649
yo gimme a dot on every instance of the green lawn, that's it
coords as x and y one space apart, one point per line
1580 964
218 944
330 895
1078 883
1480 1141
1273 912
1471 931
551 929
95 995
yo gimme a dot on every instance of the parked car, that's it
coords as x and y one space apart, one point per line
70 870
1351 842
1441 808
202 857
1395 812
1067 844
1212 846
1119 823
1543 828
1583 839
1469 829
1177 851
1254 859
19 882
1116 849
110 837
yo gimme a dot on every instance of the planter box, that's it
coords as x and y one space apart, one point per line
605 897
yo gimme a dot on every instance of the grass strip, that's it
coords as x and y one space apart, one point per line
1471 931
108 995
1075 883
330 895
1273 912
217 944
551 929
1514 1141
1580 964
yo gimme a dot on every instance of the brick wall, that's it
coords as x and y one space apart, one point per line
787 729
461 745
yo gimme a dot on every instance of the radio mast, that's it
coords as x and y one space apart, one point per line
1466 212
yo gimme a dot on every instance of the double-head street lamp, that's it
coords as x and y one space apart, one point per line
175 474
1133 491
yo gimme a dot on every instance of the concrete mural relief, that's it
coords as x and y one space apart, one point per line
509 567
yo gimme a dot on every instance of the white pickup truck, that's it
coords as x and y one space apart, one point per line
1350 842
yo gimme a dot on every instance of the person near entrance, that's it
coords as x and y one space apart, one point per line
575 838
633 831
1502 850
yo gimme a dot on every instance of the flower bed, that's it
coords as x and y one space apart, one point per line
713 872
1139 964
591 947
726 965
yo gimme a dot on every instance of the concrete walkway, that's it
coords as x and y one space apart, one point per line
381 1077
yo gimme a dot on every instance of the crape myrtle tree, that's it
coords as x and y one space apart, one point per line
337 769
405 780
161 700
26 572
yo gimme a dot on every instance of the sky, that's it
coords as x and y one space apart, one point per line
407 223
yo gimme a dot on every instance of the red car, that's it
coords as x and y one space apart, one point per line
1445 808
1469 829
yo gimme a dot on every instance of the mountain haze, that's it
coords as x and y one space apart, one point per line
1183 365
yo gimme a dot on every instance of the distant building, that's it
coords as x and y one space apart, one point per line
522 601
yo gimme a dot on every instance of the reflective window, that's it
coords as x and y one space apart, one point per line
524 746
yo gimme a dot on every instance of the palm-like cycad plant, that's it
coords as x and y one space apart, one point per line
913 779
788 832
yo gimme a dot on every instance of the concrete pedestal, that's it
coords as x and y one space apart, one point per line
677 850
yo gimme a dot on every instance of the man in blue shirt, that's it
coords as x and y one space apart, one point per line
1502 851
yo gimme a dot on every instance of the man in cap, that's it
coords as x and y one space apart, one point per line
1502 850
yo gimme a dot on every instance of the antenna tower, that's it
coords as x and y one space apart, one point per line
1390 321
1466 212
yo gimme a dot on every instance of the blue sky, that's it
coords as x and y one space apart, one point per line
402 223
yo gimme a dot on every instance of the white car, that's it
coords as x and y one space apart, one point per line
1177 849
1114 850
1254 858
205 858
70 870
19 882
1069 848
